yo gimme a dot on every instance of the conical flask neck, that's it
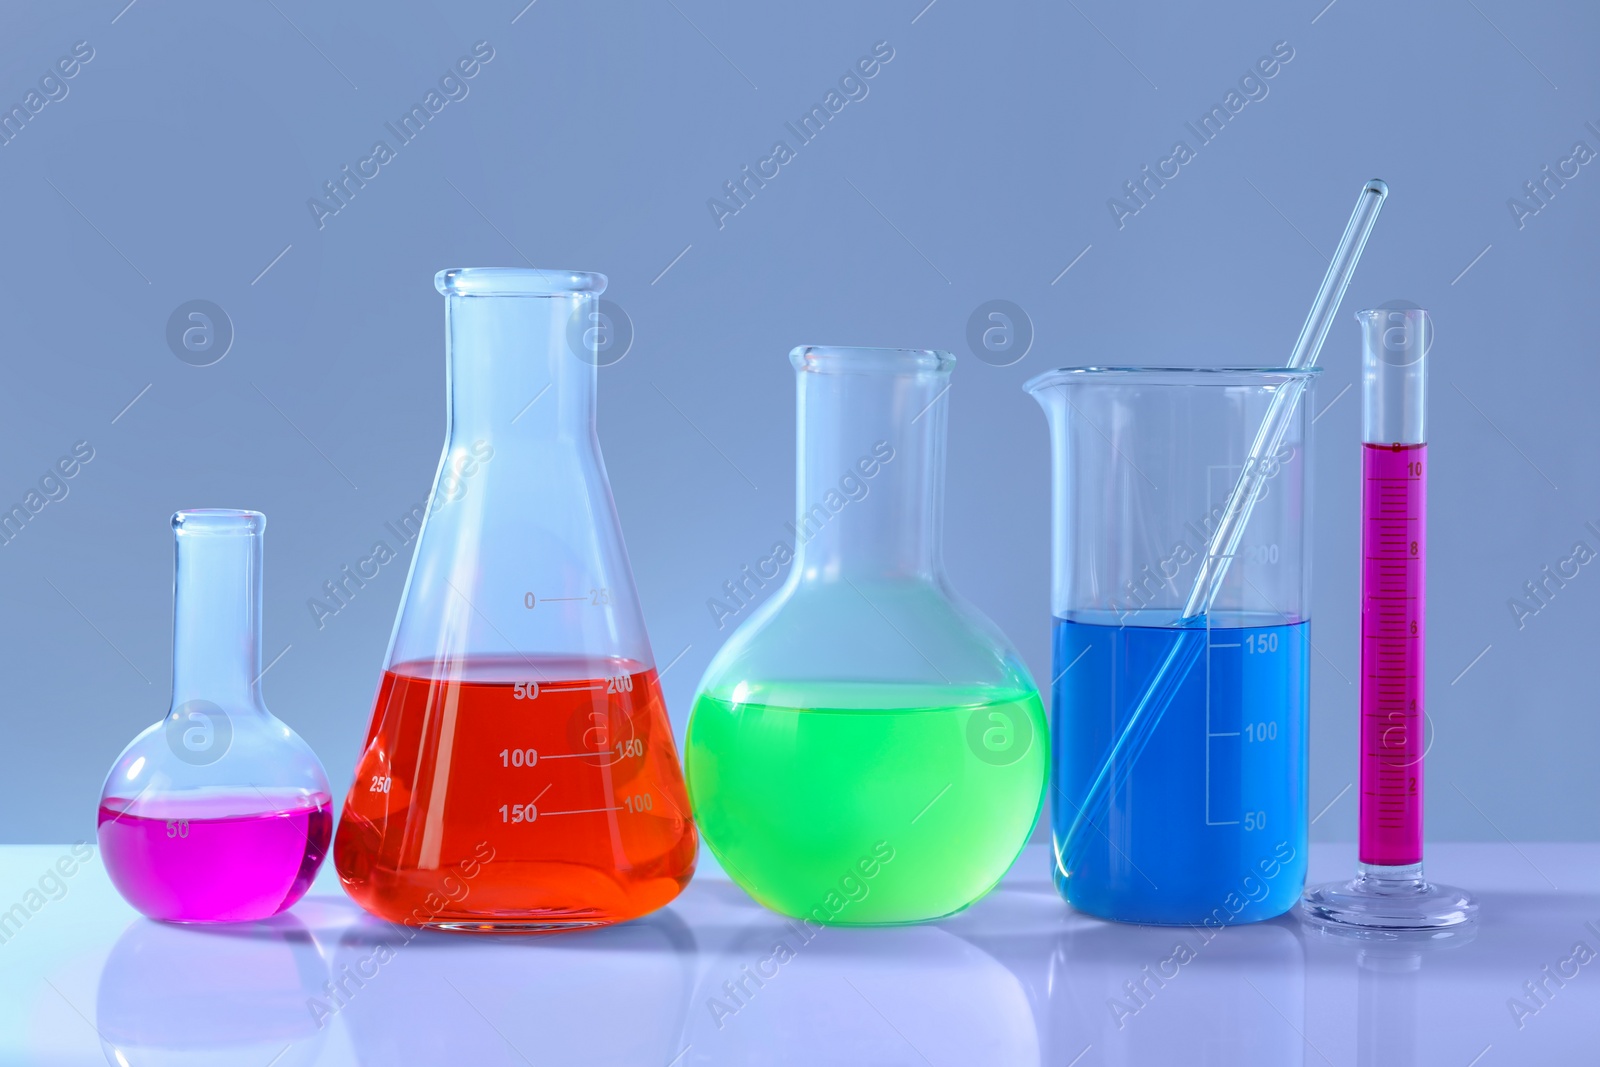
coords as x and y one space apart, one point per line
519 569
517 367
216 631
871 464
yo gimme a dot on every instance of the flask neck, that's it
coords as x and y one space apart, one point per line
216 614
522 367
871 469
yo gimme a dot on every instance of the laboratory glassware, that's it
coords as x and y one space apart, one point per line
1146 711
519 773
219 812
1204 820
1170 671
1389 891
866 748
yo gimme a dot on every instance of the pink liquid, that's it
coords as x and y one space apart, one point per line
215 858
1394 529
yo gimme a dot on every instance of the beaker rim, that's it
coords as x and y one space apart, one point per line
852 359
218 521
1367 313
517 281
1198 376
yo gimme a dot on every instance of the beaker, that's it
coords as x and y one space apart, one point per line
219 812
1179 740
519 772
867 748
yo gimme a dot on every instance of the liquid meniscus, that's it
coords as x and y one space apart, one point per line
863 804
215 856
516 795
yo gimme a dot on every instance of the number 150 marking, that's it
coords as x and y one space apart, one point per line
1262 642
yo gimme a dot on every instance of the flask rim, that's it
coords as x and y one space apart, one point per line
848 359
517 281
218 521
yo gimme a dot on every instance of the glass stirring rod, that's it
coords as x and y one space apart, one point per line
1170 673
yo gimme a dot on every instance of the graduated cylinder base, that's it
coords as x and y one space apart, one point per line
1388 899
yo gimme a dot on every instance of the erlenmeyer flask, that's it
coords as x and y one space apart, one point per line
867 748
519 773
219 812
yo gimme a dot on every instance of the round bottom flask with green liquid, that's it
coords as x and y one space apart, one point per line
867 748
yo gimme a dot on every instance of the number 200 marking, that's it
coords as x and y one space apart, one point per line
1260 553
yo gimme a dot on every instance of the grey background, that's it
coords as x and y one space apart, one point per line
179 165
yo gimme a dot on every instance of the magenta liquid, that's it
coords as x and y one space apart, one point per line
1394 529
220 857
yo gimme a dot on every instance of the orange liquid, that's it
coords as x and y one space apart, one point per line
486 802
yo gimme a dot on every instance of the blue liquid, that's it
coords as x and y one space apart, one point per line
1207 824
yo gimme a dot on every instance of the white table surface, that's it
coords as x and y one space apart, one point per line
1017 979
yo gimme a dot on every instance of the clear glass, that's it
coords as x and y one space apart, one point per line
1389 891
867 748
1179 742
519 773
219 812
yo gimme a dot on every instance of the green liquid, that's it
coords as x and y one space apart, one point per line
860 804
